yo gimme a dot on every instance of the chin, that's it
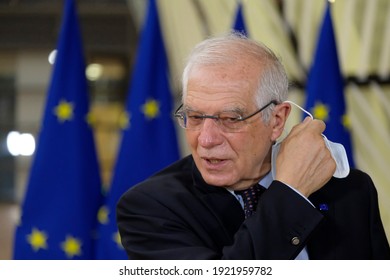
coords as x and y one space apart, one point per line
217 180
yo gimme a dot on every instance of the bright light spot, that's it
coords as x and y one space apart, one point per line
20 144
12 143
94 71
52 56
27 146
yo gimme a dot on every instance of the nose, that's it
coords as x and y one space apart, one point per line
210 134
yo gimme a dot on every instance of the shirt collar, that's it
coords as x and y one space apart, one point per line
266 180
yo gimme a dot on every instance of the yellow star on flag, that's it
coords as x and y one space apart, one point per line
37 239
103 215
64 111
346 121
320 111
117 239
91 119
71 246
151 108
124 120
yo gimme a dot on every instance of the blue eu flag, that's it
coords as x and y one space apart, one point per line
325 88
239 22
64 189
149 139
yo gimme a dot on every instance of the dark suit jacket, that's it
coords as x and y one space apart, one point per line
176 215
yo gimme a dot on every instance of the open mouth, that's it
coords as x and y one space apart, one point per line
214 161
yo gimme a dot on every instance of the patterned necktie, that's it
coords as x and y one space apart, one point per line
251 198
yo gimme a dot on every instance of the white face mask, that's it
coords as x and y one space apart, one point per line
337 151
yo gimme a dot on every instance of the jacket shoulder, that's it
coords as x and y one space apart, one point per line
167 179
358 185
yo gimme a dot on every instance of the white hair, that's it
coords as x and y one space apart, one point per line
232 47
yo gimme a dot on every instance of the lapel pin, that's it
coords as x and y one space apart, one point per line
323 207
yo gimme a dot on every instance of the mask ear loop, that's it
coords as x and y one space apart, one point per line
328 145
293 103
307 112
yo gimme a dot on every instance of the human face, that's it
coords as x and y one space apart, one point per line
228 159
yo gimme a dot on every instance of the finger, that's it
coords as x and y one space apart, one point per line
307 120
301 126
318 125
314 125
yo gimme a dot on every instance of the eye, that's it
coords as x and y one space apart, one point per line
229 118
194 117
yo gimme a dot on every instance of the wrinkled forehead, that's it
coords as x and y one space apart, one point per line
230 58
222 88
242 73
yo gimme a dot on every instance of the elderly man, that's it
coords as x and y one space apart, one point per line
208 204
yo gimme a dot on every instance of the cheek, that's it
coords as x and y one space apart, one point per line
250 153
192 139
256 147
246 150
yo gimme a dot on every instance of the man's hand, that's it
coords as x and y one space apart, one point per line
304 162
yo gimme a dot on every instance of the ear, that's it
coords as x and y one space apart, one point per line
279 118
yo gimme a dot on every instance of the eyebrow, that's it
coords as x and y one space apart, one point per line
237 110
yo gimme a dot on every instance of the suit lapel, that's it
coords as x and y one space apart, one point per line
227 215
